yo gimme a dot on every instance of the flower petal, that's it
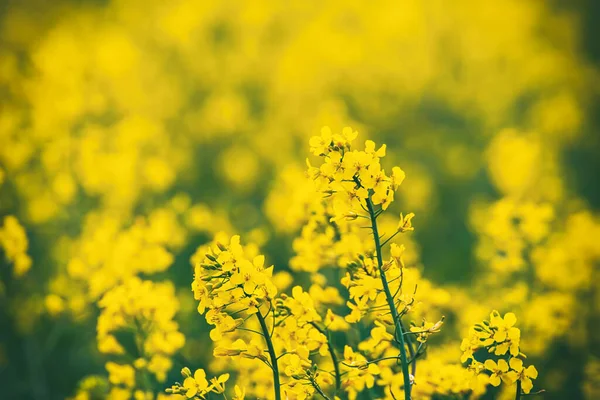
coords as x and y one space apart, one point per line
510 319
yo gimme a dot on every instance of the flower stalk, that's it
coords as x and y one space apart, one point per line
272 355
398 331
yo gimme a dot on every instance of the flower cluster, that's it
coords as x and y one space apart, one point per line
494 346
228 281
231 285
136 320
352 176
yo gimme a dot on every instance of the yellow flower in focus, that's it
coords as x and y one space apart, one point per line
405 223
498 370
196 385
319 145
505 334
525 375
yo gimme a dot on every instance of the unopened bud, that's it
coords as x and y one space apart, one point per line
225 352
436 327
351 216
362 365
385 267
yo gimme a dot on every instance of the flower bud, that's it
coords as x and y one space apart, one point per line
225 352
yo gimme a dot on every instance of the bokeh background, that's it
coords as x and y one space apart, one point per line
132 131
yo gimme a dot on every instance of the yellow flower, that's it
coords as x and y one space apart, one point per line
356 313
398 176
505 333
360 373
397 252
370 149
302 306
239 393
319 145
235 349
525 375
405 223
196 385
218 384
504 326
498 370
334 322
296 366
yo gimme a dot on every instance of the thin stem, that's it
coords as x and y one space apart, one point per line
411 350
399 332
334 359
265 329
390 238
249 330
518 394
285 353
533 393
373 361
417 354
319 390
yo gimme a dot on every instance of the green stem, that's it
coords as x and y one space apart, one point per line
319 390
518 395
265 329
334 359
411 350
399 332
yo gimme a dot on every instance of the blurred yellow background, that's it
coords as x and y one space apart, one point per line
132 131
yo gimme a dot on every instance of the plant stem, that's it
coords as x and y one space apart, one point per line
518 395
265 329
411 350
399 332
334 359
319 390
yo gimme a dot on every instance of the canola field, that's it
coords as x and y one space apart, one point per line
296 200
